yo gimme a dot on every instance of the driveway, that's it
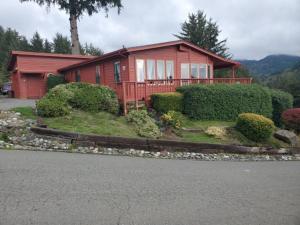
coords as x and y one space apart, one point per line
9 103
62 188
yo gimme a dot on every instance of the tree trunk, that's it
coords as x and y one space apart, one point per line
74 35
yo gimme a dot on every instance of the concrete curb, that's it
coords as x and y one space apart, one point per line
153 145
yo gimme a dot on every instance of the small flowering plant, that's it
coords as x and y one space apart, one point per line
172 119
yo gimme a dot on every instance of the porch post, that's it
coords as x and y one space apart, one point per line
233 71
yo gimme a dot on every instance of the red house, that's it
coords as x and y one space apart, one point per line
134 73
137 72
29 71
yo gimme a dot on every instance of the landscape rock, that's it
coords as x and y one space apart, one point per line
287 136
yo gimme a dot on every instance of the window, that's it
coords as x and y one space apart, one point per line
150 69
77 76
170 69
203 71
208 71
195 70
117 72
97 74
185 71
160 69
140 70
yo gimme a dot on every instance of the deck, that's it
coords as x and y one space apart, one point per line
131 91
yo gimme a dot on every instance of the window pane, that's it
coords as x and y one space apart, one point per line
140 70
97 74
160 69
117 71
195 70
150 69
203 73
185 71
170 69
208 71
77 75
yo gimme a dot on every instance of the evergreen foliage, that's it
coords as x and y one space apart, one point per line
164 102
225 102
204 33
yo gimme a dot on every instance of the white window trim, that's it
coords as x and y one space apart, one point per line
136 69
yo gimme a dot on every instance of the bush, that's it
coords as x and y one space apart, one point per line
172 119
47 107
225 102
144 125
88 97
281 101
291 119
60 93
255 127
164 102
54 80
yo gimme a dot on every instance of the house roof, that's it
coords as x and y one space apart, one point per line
219 62
14 54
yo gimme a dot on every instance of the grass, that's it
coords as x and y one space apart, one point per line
26 112
93 123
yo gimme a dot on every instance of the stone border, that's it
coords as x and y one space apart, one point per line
153 145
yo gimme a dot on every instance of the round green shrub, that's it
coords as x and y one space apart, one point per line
172 119
281 101
255 127
47 107
225 102
164 102
60 93
145 126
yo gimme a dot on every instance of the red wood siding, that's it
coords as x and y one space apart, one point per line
47 64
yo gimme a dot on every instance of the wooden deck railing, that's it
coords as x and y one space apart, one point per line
135 91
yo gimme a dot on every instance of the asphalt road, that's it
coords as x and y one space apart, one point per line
9 103
61 188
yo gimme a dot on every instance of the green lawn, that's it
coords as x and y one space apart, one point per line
26 112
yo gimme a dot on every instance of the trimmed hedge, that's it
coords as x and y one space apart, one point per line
225 102
255 127
281 101
164 102
291 119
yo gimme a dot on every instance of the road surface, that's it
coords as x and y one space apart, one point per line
10 103
62 188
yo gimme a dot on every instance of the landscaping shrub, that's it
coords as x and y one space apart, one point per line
255 127
88 97
145 126
54 80
164 102
225 102
47 107
172 119
281 101
60 93
291 119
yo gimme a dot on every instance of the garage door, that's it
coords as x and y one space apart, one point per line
35 86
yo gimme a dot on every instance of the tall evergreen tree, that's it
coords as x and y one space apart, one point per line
62 44
47 46
204 33
90 49
75 9
37 43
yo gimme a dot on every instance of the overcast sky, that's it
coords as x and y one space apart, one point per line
254 28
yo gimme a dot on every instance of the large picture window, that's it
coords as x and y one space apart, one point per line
97 74
185 71
117 72
195 70
150 69
160 69
203 71
140 70
170 69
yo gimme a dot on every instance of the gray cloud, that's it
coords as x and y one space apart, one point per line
254 28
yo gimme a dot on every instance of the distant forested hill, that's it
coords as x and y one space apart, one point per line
269 65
